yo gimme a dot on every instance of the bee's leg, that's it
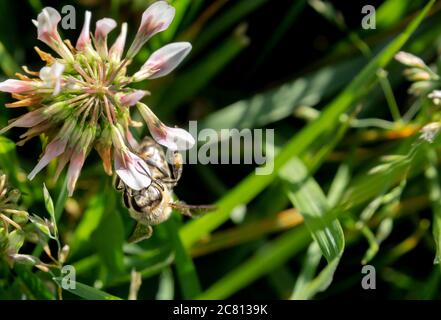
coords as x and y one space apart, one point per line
119 184
182 208
177 165
141 232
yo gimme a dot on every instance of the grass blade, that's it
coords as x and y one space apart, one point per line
85 291
307 196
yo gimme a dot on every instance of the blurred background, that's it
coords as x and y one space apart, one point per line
306 69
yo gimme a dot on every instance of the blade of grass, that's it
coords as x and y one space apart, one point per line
307 196
85 291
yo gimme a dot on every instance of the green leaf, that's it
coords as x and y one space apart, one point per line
252 185
86 292
307 196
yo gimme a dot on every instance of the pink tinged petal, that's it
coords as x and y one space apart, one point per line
62 161
55 148
132 170
132 98
75 165
164 60
28 120
175 139
16 86
104 27
84 37
47 22
117 48
155 18
131 140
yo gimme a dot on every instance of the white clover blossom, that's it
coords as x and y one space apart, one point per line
82 99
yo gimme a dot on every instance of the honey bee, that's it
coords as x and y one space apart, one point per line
153 204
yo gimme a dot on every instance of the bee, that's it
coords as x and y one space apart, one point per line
153 204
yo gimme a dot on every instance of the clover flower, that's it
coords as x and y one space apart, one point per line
82 99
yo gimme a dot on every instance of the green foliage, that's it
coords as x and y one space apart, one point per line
352 181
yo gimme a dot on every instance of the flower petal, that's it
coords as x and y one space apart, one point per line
134 173
84 37
164 60
155 18
16 86
75 165
117 48
104 27
55 148
27 120
173 138
132 98
47 22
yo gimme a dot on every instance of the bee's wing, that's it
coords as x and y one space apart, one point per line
189 210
